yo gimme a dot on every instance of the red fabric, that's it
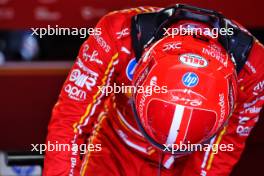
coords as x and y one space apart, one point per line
80 108
116 158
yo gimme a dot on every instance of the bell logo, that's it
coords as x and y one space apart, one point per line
193 60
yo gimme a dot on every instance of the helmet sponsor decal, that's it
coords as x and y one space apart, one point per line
186 97
131 68
193 60
190 79
171 46
222 108
215 52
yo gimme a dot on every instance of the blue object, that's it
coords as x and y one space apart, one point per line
131 68
190 79
23 170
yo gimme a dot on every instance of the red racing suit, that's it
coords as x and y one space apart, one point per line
85 115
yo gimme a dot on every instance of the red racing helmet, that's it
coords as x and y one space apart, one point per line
186 90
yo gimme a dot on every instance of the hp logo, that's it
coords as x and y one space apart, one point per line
190 79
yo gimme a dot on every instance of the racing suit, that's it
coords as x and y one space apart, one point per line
85 115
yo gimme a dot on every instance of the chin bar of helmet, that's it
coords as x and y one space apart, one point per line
162 147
